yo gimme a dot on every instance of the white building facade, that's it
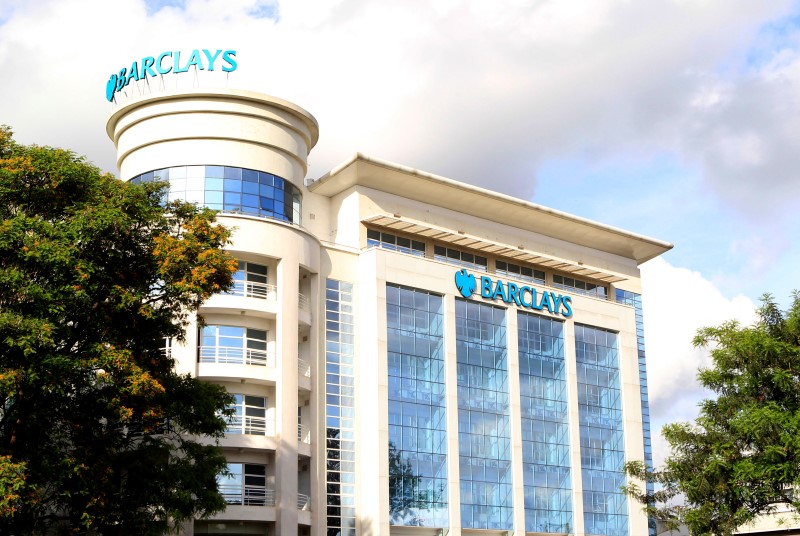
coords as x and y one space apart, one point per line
409 354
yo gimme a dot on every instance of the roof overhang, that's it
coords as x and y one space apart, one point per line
491 248
447 193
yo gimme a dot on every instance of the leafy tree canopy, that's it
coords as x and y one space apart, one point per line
741 456
98 434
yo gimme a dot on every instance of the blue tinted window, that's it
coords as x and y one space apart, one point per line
339 409
483 420
233 185
635 300
250 201
214 171
215 184
232 173
600 417
417 416
277 199
233 199
545 425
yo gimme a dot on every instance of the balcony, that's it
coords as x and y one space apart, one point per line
250 289
303 502
303 375
226 363
257 299
250 426
235 355
303 509
303 440
303 434
304 309
247 495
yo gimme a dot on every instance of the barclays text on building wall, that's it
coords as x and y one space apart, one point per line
524 296
167 62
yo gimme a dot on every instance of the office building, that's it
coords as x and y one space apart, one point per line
409 354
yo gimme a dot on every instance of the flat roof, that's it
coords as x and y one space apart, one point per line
361 170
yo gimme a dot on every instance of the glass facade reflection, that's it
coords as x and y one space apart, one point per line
602 444
545 425
340 447
417 416
634 299
483 419
231 189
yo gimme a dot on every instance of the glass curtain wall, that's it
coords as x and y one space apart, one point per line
545 425
634 299
417 417
483 418
231 189
600 417
340 470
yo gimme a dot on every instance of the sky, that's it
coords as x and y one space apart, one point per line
676 119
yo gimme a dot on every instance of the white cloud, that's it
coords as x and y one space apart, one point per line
677 302
483 92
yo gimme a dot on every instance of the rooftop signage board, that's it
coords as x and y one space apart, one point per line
523 296
170 62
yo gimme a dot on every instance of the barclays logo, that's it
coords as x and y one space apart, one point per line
523 296
465 283
167 62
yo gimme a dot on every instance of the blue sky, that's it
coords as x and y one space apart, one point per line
676 119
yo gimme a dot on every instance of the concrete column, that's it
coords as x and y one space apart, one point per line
286 398
451 394
317 421
574 427
515 416
372 397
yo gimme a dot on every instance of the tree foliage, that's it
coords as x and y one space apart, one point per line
741 457
98 434
409 494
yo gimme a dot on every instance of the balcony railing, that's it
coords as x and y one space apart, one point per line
241 356
303 502
250 289
303 303
250 426
247 495
303 368
303 434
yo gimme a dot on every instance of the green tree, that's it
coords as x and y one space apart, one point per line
741 457
408 494
98 434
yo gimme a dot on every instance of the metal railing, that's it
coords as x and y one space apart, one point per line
303 434
241 356
303 302
245 495
250 426
303 368
303 502
251 289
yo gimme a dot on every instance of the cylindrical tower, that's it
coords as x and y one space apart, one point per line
245 154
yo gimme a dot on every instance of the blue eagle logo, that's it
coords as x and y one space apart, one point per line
465 283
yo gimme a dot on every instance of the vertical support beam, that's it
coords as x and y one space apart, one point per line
451 392
286 397
515 415
574 426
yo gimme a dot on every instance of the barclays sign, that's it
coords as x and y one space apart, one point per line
523 296
170 62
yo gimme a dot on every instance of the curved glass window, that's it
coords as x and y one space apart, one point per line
231 189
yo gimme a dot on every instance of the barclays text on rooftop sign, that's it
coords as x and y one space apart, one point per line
524 296
166 62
